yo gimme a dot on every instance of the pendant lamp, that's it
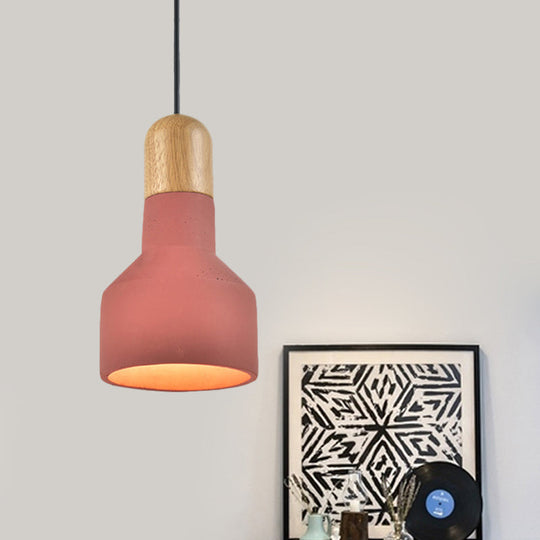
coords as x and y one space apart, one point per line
178 318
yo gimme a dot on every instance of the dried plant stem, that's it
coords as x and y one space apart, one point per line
407 492
400 500
388 500
299 491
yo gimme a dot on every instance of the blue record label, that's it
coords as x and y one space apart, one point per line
440 504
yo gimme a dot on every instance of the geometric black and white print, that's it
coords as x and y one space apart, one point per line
382 419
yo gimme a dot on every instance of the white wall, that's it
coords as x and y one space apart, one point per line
376 170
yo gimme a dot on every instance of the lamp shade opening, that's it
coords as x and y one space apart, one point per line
179 377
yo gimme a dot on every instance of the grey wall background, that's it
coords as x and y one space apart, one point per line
376 170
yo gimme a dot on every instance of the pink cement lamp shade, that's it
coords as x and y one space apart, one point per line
178 318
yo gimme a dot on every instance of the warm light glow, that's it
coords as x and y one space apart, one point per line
178 377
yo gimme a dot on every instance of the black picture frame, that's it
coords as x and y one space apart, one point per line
461 362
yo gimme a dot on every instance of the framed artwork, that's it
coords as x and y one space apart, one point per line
380 409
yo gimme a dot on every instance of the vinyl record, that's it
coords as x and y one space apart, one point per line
448 505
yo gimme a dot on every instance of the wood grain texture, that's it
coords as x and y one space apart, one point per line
178 157
354 526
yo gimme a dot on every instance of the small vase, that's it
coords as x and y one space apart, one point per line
398 532
317 529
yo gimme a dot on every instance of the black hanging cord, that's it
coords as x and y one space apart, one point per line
176 56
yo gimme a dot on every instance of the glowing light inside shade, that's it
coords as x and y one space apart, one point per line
178 377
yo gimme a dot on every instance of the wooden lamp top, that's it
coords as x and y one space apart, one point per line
178 157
